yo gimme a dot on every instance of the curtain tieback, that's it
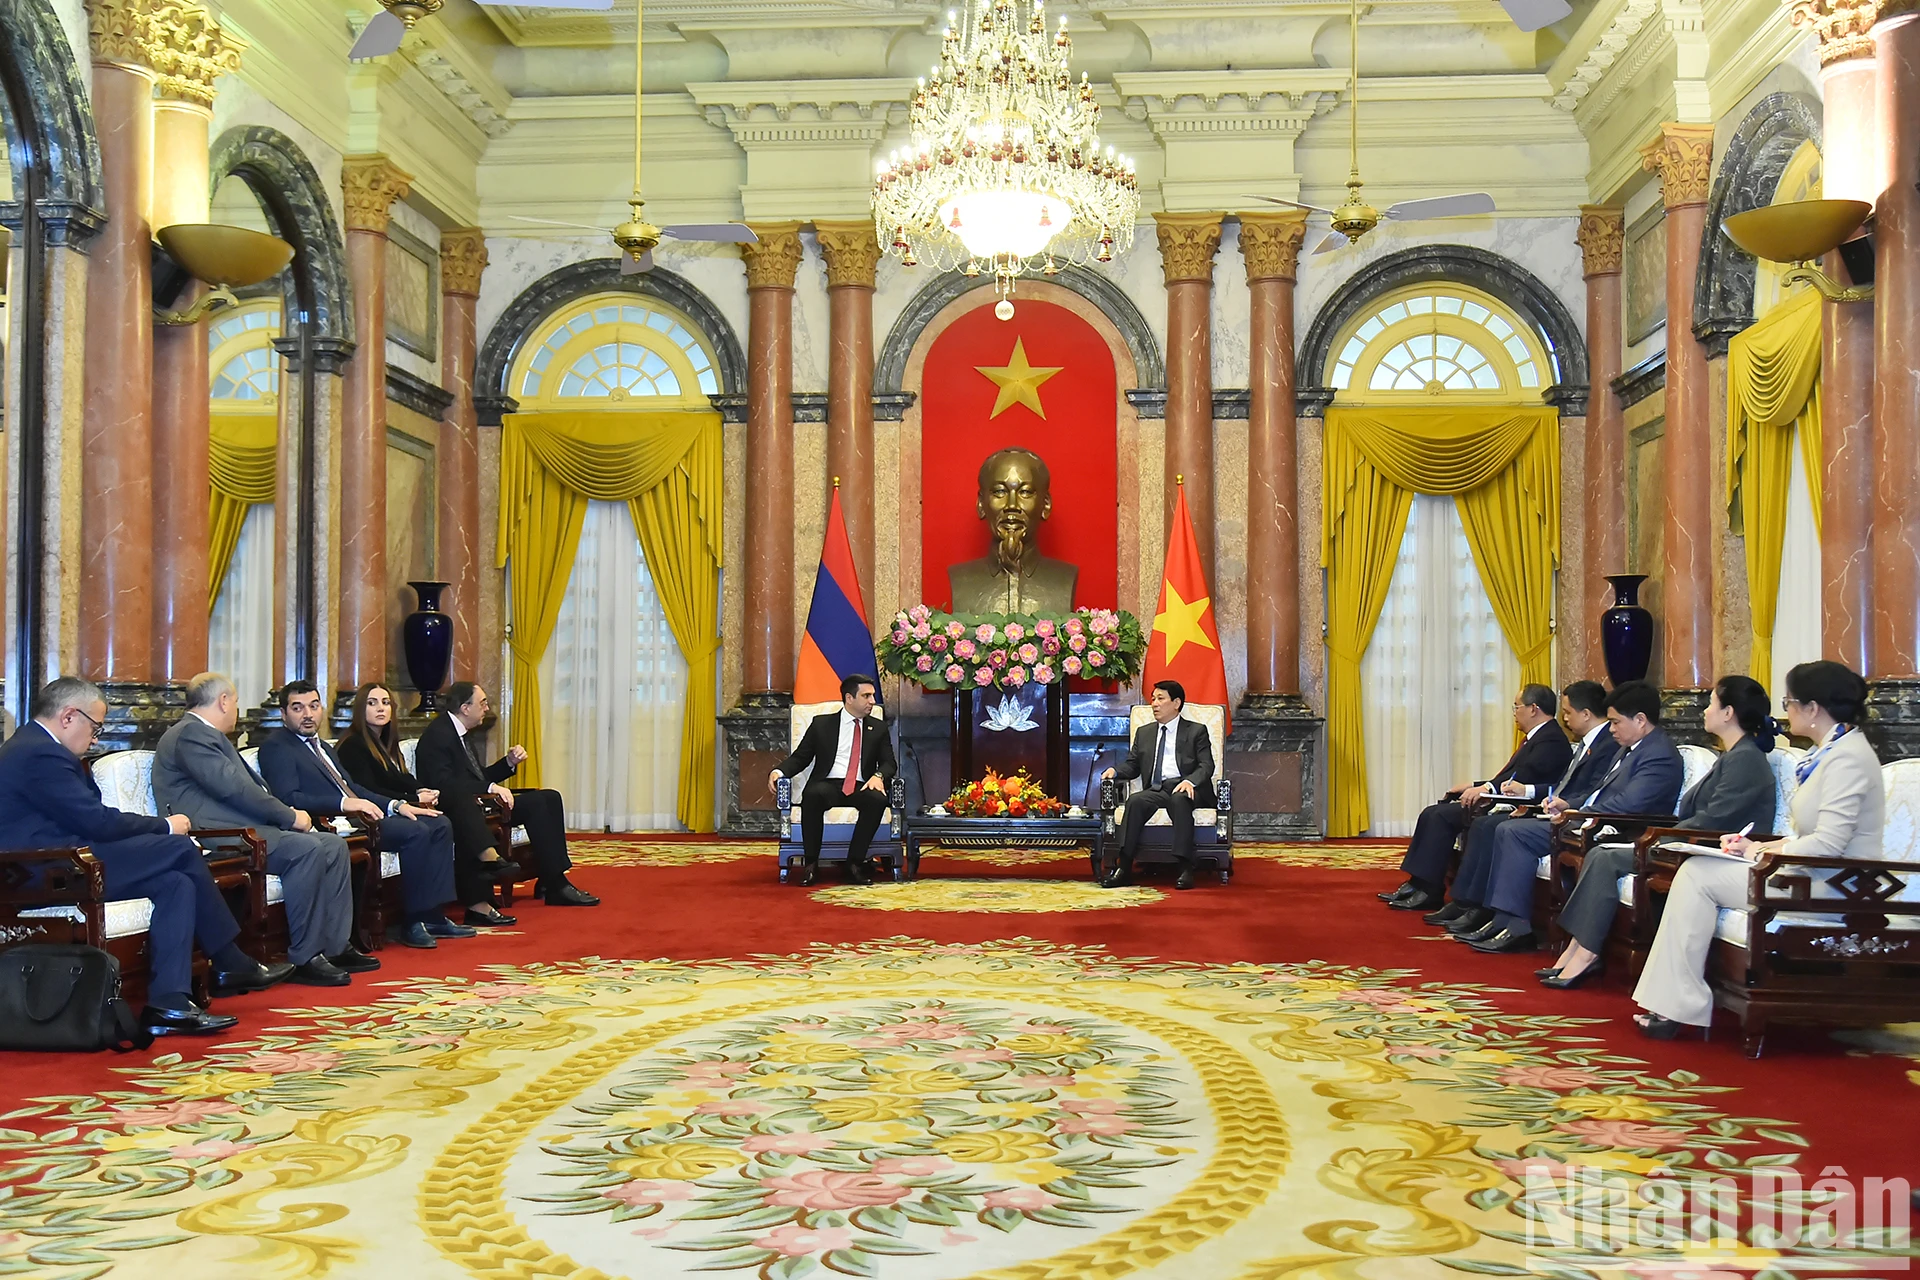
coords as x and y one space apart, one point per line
1537 652
1343 653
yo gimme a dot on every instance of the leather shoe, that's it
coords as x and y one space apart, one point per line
353 960
1418 900
1447 914
1485 931
319 972
1401 892
1117 878
414 935
441 927
482 920
190 1021
1185 879
1472 920
258 978
859 872
1506 941
563 894
809 874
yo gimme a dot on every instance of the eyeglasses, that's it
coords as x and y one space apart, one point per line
99 726
1787 703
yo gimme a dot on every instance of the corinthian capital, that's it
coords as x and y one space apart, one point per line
1270 243
463 258
1603 239
1683 157
852 252
191 51
1188 242
772 263
372 184
1841 25
121 32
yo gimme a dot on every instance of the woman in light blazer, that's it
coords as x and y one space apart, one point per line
1739 790
1838 811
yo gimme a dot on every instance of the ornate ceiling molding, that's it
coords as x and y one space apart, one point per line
460 91
1606 52
761 112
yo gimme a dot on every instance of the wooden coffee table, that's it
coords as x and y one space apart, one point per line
995 833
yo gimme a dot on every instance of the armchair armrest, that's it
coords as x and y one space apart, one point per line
51 877
783 800
897 804
1223 795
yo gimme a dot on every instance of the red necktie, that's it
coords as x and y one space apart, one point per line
853 763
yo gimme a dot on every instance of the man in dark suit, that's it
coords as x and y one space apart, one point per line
198 773
449 758
304 772
853 765
1583 713
1540 758
1645 778
50 801
1174 756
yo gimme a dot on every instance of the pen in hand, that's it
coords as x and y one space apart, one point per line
1729 844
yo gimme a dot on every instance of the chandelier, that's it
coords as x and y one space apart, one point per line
1006 174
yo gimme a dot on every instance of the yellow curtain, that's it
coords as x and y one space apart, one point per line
1773 392
1502 466
240 465
666 467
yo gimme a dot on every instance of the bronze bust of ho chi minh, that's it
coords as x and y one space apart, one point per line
1014 498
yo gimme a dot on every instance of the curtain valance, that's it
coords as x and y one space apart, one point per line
240 467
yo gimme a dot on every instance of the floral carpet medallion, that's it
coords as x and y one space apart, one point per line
590 850
988 895
899 1109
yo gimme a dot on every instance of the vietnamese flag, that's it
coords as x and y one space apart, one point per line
837 643
1185 643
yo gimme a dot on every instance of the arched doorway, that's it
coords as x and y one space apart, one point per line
244 419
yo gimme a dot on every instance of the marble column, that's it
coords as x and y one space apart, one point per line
463 258
1270 244
768 646
191 51
1683 157
1602 238
116 597
372 183
1851 165
1188 242
852 255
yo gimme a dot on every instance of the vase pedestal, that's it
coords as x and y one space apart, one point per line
1011 729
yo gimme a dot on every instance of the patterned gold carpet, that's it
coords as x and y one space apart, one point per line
894 1108
638 851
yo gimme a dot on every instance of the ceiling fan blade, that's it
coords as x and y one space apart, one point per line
549 222
718 232
1531 15
1292 204
1333 241
1465 205
629 267
380 37
597 5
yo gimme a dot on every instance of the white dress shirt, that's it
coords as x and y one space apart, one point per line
845 749
1528 791
1168 750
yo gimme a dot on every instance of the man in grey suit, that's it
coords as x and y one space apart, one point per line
1175 757
198 773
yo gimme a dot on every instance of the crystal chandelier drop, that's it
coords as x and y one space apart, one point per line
1006 174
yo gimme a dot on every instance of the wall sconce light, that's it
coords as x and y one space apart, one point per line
1799 232
227 258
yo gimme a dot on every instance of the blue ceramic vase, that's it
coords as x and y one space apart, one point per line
428 636
1626 630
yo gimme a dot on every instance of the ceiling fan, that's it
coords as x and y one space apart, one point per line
636 237
1355 217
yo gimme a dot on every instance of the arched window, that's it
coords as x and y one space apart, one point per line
244 365
616 349
1440 339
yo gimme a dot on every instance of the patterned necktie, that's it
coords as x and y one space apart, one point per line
1566 779
473 756
326 762
853 763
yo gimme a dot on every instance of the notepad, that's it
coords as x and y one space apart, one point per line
1708 851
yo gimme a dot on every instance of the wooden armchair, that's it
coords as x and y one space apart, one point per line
59 896
376 898
508 837
888 849
1212 824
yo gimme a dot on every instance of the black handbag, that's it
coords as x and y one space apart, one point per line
62 998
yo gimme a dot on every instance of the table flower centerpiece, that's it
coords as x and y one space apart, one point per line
1013 796
940 651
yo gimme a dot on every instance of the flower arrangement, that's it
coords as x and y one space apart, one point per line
941 651
1014 796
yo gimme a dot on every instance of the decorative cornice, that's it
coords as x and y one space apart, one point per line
461 92
371 185
1683 157
120 32
783 112
1606 51
1270 243
1843 26
410 391
852 252
1233 101
190 51
463 259
775 260
1188 242
1644 379
1603 239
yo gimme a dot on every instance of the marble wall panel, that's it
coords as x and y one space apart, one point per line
413 505
1230 551
1732 601
1313 604
1578 653
812 335
1232 317
1646 497
493 579
809 519
1643 211
733 596
413 290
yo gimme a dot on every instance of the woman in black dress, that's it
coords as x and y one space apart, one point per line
370 751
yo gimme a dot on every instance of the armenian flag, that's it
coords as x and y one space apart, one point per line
838 643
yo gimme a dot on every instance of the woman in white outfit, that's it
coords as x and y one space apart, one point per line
1838 811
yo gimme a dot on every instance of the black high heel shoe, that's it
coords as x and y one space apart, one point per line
1658 1028
1569 982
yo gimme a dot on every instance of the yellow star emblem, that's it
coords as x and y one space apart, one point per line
1180 621
1019 382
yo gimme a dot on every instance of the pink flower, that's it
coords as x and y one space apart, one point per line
955 673
1050 645
964 650
1111 1126
1095 658
979 1055
736 1108
211 1149
1099 624
1044 1082
913 1166
923 1031
923 663
955 630
983 676
173 1113
921 631
1418 1051
1077 643
787 1144
899 635
1550 1077
1022 1198
874 1042
831 1189
1111 640
1016 676
984 633
504 990
1072 627
707 1069
1091 1106
1043 674
645 1191
1375 997
278 1064
792 1242
1522 1168
1624 1133
1015 633
1029 653
422 1042
1044 627
998 657
919 613
1072 665
938 644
